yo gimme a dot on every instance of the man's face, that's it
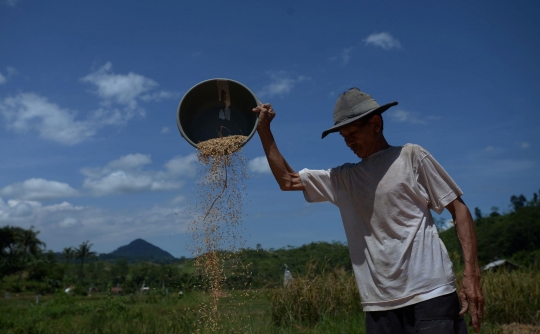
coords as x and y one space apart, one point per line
359 137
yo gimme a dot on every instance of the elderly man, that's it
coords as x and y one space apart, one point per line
402 268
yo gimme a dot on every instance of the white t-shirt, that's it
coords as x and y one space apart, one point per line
385 201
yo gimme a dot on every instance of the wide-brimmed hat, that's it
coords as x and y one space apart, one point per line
353 105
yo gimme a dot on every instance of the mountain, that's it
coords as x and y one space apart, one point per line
141 250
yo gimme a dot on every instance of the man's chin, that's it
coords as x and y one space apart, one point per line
359 154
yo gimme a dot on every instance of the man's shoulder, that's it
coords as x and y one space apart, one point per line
414 150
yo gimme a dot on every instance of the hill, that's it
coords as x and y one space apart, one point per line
140 250
514 236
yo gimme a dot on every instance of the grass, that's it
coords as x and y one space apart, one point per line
512 297
306 300
323 303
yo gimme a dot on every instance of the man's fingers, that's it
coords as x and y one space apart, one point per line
263 107
475 317
478 314
464 303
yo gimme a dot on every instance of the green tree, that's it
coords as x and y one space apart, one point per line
83 253
477 214
518 202
29 249
494 212
9 263
68 253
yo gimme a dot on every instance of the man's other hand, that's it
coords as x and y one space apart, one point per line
472 300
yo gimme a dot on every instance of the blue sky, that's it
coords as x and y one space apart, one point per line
89 92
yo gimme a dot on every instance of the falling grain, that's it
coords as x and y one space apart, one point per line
216 230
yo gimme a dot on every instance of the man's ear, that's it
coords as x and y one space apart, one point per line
376 123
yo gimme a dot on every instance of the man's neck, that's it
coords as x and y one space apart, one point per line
379 145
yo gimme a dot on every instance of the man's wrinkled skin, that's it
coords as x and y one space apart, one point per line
365 138
472 298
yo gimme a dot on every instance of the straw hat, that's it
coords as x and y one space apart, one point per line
353 105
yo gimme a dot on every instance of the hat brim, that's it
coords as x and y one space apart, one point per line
341 124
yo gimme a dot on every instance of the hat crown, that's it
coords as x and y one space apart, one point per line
353 103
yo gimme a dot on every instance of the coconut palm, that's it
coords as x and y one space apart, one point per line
68 253
83 252
28 246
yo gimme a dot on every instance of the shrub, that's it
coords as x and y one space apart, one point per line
512 297
307 299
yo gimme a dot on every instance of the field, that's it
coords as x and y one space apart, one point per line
314 303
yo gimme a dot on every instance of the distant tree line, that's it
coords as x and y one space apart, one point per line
513 235
25 264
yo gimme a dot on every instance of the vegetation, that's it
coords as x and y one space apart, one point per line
314 303
321 292
106 294
514 235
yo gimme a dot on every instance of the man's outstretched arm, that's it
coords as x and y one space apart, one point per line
471 295
285 176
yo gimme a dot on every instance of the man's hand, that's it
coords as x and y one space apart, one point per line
472 300
266 115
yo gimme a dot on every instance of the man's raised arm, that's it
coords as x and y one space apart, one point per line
285 176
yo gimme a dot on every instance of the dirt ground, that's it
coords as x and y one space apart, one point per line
515 328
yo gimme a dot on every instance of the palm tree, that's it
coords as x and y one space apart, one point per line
28 245
83 252
68 253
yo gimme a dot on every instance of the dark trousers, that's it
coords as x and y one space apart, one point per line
439 315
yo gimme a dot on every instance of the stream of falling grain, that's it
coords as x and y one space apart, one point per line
216 230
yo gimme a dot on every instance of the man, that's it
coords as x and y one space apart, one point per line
402 269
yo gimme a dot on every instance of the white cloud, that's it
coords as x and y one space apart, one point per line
281 83
63 228
28 111
125 89
64 206
130 161
14 210
38 189
28 213
124 175
124 182
383 40
21 210
259 165
127 175
182 165
113 116
120 88
523 144
11 71
165 130
344 56
447 224
403 116
158 96
11 3
119 103
68 222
